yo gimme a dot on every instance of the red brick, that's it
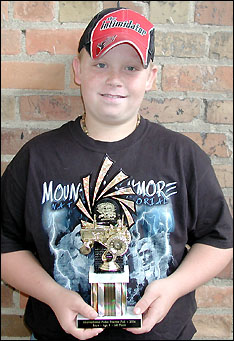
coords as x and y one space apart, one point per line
197 78
220 112
170 110
29 75
213 144
214 13
11 44
34 10
213 325
6 296
56 108
210 296
13 326
224 174
4 10
13 139
53 41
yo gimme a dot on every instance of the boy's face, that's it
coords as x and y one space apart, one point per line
113 86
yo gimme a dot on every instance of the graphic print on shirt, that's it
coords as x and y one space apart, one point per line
148 213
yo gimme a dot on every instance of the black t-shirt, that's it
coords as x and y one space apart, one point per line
167 191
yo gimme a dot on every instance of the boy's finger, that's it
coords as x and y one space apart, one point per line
149 320
88 312
84 334
144 303
85 309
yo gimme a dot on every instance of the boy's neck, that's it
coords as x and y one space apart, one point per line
109 133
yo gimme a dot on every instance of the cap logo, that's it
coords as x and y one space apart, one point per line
112 22
104 43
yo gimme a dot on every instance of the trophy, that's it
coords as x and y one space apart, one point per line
108 235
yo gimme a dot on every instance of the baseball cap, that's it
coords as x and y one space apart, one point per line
114 26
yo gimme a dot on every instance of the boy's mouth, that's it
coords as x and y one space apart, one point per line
113 96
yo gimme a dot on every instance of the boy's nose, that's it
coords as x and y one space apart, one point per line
113 79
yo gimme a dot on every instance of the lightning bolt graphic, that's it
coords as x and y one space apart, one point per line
57 252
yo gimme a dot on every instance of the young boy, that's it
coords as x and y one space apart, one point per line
163 182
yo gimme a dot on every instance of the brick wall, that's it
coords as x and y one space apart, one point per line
192 94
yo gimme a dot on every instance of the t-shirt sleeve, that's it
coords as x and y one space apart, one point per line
212 221
13 189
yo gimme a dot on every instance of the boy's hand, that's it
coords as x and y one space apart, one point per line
154 305
66 305
202 263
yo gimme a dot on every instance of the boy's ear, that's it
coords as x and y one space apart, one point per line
151 77
76 69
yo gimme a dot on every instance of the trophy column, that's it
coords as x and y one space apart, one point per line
109 299
108 292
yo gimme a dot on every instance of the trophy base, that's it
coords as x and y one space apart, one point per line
129 320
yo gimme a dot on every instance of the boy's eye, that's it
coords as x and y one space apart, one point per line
131 68
101 65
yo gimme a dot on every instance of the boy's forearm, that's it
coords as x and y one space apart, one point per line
23 271
202 263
